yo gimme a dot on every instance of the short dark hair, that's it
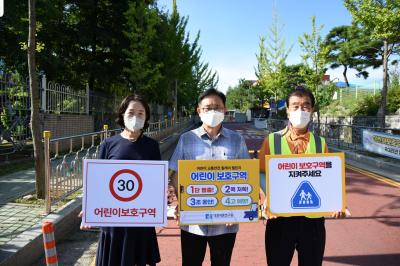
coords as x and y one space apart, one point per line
301 91
124 105
210 92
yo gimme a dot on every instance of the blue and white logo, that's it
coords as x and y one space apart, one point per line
305 197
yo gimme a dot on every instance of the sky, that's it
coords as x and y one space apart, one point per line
230 32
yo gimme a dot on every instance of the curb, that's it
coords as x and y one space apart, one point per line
27 248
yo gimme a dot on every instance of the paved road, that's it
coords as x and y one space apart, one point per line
370 237
16 184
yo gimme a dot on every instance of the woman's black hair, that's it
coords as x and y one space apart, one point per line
301 91
124 105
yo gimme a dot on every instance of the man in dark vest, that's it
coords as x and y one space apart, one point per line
305 234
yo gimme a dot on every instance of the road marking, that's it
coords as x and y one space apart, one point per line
375 176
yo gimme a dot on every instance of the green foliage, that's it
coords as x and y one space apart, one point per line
270 71
116 47
294 75
5 118
315 54
367 106
142 73
335 109
393 99
394 92
351 47
325 93
243 96
315 58
181 62
381 18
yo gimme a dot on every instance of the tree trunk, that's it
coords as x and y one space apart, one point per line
345 76
382 107
34 93
93 63
318 129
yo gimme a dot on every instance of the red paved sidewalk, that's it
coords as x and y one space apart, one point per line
370 237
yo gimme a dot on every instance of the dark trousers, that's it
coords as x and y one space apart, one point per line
285 234
194 248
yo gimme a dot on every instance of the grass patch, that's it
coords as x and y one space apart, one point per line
33 200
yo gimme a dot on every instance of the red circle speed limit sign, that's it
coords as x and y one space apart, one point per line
126 185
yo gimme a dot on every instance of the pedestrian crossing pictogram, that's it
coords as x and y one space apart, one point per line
305 197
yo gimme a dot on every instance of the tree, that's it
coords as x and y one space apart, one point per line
382 19
295 74
142 73
244 96
351 47
315 54
271 60
182 70
113 46
34 92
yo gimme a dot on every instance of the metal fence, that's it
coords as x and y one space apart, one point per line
64 172
14 114
58 98
55 98
340 132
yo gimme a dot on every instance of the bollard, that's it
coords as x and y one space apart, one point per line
49 244
105 129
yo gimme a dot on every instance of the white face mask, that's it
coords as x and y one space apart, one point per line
133 123
212 118
299 119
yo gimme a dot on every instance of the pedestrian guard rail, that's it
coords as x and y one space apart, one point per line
63 172
338 134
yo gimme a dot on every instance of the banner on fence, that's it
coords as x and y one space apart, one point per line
381 143
124 193
218 191
304 185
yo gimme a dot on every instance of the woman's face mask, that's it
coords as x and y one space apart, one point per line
133 123
299 119
134 116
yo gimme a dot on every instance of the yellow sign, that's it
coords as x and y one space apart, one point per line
218 191
305 184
